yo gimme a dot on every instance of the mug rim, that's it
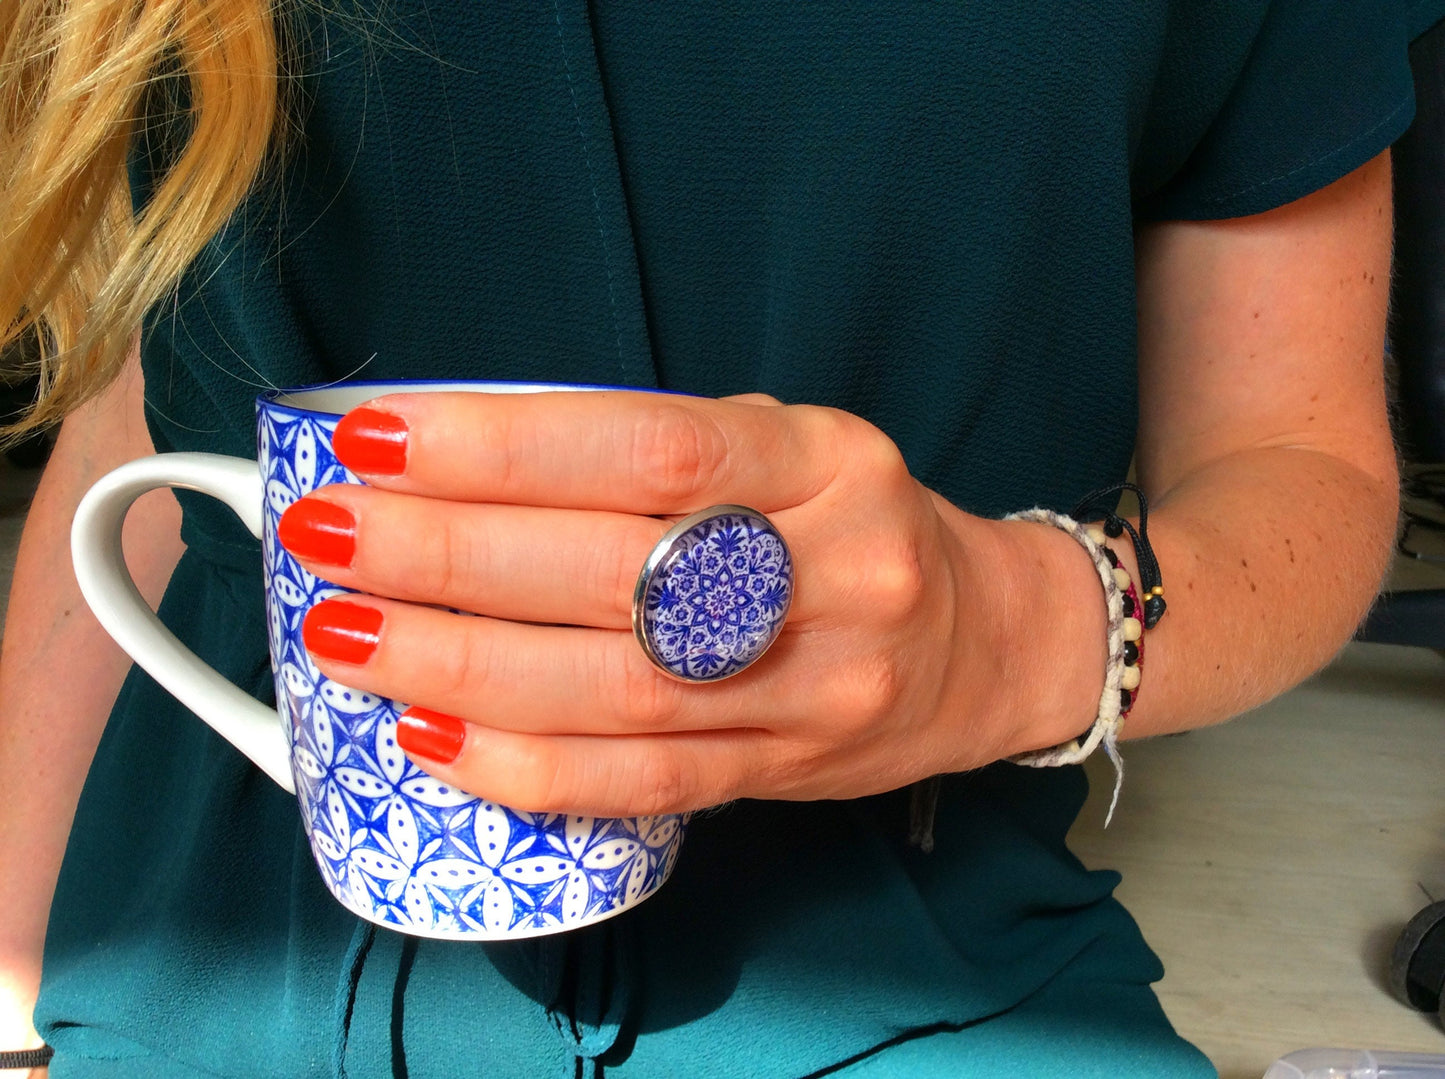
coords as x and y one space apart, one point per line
276 400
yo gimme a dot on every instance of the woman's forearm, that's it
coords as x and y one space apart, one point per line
1264 447
1270 558
59 675
1262 603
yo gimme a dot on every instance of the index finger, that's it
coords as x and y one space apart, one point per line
630 451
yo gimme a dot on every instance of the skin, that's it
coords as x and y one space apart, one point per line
1264 449
49 726
1263 446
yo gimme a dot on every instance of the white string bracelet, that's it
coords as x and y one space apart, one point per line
1125 639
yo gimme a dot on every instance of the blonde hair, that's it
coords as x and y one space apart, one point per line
78 264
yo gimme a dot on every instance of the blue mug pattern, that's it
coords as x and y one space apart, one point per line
393 844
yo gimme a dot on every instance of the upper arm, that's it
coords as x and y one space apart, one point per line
1267 331
51 725
101 435
108 430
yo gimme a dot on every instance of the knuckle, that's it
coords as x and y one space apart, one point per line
643 784
677 453
541 781
868 449
896 584
873 689
614 569
863 452
497 443
881 460
763 399
650 701
661 783
444 561
462 666
787 771
830 427
822 435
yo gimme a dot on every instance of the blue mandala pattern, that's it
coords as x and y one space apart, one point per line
718 597
393 844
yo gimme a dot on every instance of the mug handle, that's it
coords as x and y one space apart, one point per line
106 584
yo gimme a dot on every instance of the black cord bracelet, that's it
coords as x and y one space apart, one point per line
1151 580
26 1058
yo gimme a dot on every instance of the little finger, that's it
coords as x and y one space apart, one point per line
624 776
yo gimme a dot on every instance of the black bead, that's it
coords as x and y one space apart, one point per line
1131 653
1128 606
1125 699
1113 527
1153 611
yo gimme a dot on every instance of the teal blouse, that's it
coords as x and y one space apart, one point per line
918 211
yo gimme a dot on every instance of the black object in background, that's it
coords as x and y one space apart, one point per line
1417 344
17 392
1417 300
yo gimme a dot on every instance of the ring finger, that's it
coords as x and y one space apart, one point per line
531 678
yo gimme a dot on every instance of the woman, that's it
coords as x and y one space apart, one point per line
968 248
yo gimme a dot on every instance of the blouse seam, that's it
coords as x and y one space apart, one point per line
592 182
1216 200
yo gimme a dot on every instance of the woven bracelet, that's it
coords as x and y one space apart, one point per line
1128 618
1125 640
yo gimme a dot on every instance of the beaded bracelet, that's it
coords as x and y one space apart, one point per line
1133 624
1127 620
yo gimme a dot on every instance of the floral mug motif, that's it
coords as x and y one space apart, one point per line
393 845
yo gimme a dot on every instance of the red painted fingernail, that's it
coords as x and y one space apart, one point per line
433 735
345 632
318 531
370 441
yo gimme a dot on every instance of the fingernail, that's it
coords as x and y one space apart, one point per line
370 441
318 532
433 735
344 632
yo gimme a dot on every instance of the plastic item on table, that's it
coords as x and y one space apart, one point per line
1356 1064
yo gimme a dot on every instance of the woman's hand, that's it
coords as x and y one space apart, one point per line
922 639
536 512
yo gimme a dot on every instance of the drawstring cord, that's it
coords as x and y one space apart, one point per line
922 808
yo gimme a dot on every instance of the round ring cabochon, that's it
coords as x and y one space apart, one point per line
714 594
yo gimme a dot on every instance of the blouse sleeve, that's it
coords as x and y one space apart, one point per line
1325 87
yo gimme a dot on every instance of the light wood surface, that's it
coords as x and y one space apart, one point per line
1271 862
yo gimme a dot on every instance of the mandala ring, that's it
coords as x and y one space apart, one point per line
713 594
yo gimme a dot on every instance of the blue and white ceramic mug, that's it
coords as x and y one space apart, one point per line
393 845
